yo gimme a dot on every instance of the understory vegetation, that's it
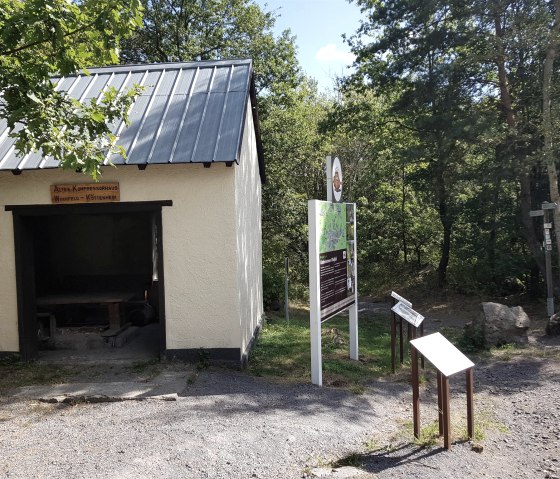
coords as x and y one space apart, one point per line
283 352
446 131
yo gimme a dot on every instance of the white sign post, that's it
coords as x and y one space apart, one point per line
314 295
332 266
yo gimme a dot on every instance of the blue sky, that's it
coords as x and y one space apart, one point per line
318 26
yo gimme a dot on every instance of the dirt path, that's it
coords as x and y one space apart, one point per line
226 424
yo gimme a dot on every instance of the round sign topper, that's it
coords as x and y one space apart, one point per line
336 180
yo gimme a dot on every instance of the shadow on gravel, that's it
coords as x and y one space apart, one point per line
513 376
224 388
385 460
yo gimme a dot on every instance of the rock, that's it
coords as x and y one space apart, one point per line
553 325
501 324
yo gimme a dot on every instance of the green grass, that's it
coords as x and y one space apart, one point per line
14 373
283 350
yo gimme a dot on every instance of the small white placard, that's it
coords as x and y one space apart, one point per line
442 354
407 313
548 241
548 226
398 297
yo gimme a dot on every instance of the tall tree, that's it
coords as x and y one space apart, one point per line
418 49
40 39
178 30
295 153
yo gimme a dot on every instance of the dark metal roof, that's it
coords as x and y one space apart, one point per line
188 113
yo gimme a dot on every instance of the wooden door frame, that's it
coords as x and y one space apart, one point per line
25 261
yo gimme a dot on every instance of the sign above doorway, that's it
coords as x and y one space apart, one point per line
85 193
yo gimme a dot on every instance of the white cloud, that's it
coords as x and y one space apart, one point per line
331 53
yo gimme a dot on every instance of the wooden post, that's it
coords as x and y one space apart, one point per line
470 408
446 413
440 402
421 335
415 392
114 315
393 338
401 347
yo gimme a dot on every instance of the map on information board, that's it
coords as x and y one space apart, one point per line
332 227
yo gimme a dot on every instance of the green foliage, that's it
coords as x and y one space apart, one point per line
40 39
294 152
175 30
273 288
429 157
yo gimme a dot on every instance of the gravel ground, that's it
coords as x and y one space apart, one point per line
227 424
230 425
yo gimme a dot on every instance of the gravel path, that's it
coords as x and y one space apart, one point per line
227 424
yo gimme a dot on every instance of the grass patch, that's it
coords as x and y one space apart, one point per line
15 374
283 350
352 460
147 369
484 422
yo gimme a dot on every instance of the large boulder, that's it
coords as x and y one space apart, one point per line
501 324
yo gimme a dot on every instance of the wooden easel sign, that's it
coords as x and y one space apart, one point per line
402 309
447 360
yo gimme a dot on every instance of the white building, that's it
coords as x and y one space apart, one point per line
182 225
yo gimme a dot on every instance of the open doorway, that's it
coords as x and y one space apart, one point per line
90 280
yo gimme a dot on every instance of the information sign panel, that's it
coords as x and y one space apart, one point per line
332 273
407 313
335 253
442 354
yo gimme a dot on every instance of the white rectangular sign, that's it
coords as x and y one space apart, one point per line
408 314
442 354
399 298
548 226
332 273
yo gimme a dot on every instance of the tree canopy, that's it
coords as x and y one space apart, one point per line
175 30
42 39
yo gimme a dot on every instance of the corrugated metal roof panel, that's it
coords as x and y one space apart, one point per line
188 112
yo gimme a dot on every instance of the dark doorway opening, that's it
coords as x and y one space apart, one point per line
90 279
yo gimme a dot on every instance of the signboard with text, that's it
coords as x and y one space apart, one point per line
332 266
336 257
85 193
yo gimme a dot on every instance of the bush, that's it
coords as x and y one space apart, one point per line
273 289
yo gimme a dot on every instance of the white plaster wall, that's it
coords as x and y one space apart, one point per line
199 243
249 234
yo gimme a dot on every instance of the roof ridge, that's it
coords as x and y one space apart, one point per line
166 66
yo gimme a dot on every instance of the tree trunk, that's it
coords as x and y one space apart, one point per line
446 222
506 105
403 218
547 122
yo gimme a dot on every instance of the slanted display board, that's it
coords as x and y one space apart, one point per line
399 299
448 360
442 354
407 313
332 272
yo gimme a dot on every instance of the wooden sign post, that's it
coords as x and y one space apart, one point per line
402 309
448 360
